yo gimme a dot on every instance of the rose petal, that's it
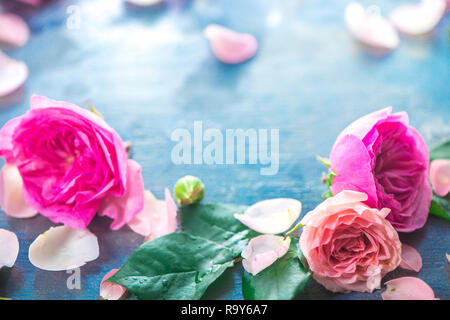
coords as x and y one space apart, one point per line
448 257
157 218
14 30
411 259
440 176
230 46
420 18
262 251
123 209
63 248
109 290
9 248
11 196
271 216
370 28
12 74
408 288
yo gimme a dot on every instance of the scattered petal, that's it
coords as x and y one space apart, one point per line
440 176
11 196
157 218
262 251
370 28
12 74
63 248
14 31
271 216
411 259
407 288
230 46
9 248
419 18
109 290
448 257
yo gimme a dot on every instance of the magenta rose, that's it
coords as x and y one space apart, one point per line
72 164
382 156
348 245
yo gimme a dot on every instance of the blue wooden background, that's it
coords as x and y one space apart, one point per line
149 72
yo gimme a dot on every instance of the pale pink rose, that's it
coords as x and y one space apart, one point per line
157 218
408 288
72 163
348 245
230 46
262 251
440 176
381 155
109 290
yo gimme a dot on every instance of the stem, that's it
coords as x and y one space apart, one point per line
293 229
235 260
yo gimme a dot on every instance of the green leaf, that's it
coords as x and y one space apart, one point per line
283 280
441 151
176 266
216 222
440 207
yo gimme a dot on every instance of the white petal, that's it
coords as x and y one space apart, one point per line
271 216
420 18
370 28
263 251
9 248
63 248
11 195
14 31
12 74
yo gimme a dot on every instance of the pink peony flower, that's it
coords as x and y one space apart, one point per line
72 163
382 156
349 246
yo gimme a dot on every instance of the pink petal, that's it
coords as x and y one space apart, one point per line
230 46
109 290
411 259
123 209
420 18
370 28
157 217
262 251
440 176
11 195
448 257
12 74
9 248
408 288
271 216
13 30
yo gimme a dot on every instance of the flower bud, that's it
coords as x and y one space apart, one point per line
189 190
